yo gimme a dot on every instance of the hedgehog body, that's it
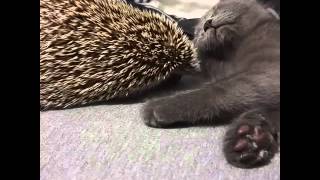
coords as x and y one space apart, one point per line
96 50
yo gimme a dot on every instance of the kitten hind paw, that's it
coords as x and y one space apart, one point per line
249 146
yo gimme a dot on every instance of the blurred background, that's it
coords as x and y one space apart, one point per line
184 8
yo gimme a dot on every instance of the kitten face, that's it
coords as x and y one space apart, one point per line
225 24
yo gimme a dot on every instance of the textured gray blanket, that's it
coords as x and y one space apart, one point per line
111 142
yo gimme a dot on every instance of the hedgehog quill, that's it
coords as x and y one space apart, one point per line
97 50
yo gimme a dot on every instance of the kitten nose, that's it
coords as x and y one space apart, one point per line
207 25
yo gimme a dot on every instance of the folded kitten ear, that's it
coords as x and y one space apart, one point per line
273 13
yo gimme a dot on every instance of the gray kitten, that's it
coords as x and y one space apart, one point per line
238 43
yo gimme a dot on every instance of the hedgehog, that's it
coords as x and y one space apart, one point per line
98 50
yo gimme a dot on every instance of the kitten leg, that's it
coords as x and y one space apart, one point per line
252 139
228 97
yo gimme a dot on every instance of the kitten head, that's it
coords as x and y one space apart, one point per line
226 24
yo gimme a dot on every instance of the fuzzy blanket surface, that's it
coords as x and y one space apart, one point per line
110 141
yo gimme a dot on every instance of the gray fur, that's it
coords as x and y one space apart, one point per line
238 44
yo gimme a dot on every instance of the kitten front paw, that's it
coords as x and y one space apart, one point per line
157 114
250 145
